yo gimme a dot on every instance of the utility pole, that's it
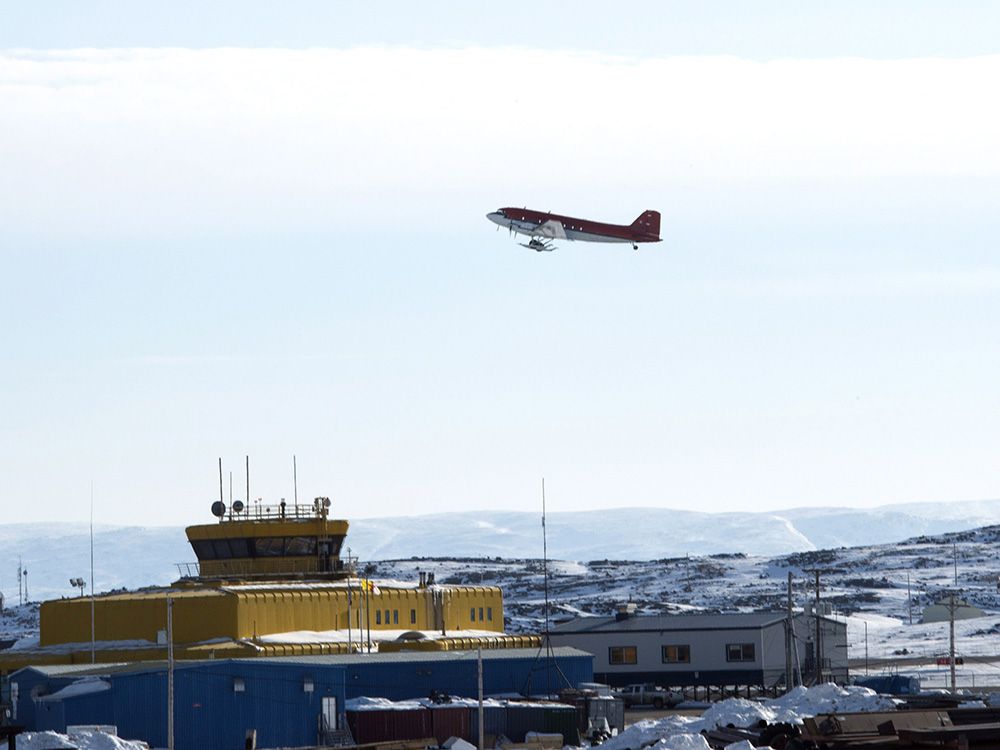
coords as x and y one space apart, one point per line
479 680
909 598
789 643
951 639
954 558
170 673
819 635
866 647
350 597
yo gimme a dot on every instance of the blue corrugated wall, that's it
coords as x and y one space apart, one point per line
211 715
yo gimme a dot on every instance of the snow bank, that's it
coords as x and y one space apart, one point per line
683 742
384 704
792 707
76 741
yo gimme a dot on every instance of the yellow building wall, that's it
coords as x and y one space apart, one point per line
470 607
197 616
205 614
283 610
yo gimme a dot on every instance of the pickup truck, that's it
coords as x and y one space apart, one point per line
648 694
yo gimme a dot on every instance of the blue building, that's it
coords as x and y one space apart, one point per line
288 701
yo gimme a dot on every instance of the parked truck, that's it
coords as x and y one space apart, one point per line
648 694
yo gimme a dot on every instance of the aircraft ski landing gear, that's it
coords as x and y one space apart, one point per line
538 246
635 246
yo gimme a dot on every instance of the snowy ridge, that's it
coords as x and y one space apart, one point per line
136 556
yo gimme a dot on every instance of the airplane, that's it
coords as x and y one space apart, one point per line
544 227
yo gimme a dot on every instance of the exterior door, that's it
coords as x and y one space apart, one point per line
329 713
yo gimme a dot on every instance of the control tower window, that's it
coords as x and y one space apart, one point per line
300 546
269 546
239 547
203 549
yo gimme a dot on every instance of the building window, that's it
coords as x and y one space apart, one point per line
676 654
480 614
472 614
489 614
387 617
740 652
395 617
413 617
378 616
621 655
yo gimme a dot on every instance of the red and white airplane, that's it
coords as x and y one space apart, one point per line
543 228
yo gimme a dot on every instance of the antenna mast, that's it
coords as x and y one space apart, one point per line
545 564
248 481
295 479
93 639
545 581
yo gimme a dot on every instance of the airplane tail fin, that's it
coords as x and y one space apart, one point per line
647 224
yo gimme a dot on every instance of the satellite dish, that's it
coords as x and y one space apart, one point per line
326 502
218 509
238 506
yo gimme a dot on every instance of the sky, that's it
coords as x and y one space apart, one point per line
232 229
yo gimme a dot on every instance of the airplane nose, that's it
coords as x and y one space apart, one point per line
497 218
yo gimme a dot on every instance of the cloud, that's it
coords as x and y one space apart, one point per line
133 140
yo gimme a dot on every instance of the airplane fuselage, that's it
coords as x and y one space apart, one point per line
554 226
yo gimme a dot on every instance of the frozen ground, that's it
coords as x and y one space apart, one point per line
867 585
682 732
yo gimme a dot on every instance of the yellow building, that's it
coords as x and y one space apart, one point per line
269 581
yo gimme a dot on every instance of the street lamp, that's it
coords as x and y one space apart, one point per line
78 583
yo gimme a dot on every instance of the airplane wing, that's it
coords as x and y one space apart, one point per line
551 229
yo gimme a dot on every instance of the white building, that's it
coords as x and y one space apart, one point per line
682 651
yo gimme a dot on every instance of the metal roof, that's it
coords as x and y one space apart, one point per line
405 657
333 660
656 623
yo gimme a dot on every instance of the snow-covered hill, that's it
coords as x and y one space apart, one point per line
867 585
137 556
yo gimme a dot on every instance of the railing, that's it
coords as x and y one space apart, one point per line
257 510
275 567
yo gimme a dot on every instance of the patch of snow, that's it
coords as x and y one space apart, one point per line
683 741
84 686
76 741
792 708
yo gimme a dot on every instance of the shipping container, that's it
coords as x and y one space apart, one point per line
562 720
452 721
494 724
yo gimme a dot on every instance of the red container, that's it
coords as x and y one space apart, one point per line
411 725
370 726
451 721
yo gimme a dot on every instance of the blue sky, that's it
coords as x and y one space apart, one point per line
232 230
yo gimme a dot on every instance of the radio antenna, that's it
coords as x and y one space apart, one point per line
248 481
550 661
295 479
220 480
93 644
545 564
